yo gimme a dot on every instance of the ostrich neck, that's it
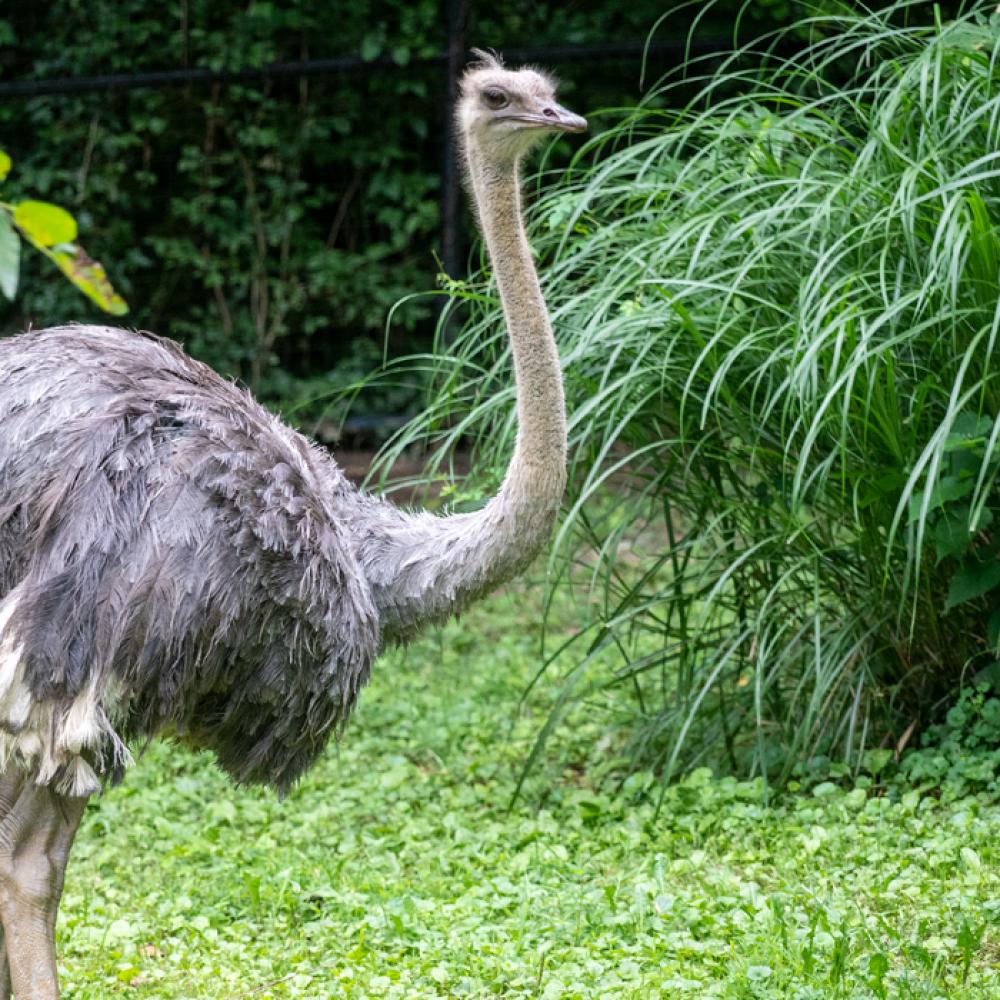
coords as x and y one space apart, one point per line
423 568
538 468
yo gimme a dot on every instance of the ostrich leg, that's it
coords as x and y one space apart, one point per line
10 787
35 838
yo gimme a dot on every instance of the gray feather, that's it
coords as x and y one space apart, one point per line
168 536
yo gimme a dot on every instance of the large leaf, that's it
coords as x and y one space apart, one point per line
946 490
89 276
953 532
5 164
969 430
971 581
10 257
44 224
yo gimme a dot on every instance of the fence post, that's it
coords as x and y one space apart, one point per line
451 191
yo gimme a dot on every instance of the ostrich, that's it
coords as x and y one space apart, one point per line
173 557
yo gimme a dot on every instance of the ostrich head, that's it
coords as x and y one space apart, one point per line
504 113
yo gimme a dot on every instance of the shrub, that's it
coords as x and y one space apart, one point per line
778 316
269 225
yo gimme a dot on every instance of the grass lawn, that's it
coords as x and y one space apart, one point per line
396 869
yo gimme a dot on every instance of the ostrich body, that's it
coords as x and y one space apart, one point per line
173 557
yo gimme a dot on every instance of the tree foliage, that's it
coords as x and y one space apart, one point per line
266 225
270 226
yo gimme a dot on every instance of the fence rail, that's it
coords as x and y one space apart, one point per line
449 61
204 76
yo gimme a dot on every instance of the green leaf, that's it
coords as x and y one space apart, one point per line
993 630
875 761
44 224
878 966
968 431
89 276
974 863
970 939
884 486
950 488
971 581
946 490
10 257
952 533
5 165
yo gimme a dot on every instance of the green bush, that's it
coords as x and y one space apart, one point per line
270 225
778 315
961 754
265 224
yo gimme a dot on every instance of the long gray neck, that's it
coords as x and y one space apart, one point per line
424 568
537 473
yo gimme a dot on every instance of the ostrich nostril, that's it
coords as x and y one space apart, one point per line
549 113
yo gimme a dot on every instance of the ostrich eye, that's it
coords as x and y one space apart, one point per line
495 99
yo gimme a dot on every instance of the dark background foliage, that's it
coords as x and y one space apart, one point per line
272 225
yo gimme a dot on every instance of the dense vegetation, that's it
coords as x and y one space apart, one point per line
271 226
778 316
396 870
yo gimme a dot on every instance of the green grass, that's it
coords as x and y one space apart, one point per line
776 305
397 870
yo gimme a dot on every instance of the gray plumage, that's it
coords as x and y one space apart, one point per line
168 537
173 557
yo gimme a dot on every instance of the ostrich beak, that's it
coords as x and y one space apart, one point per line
551 116
558 117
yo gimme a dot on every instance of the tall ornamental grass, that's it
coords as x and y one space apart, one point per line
778 314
